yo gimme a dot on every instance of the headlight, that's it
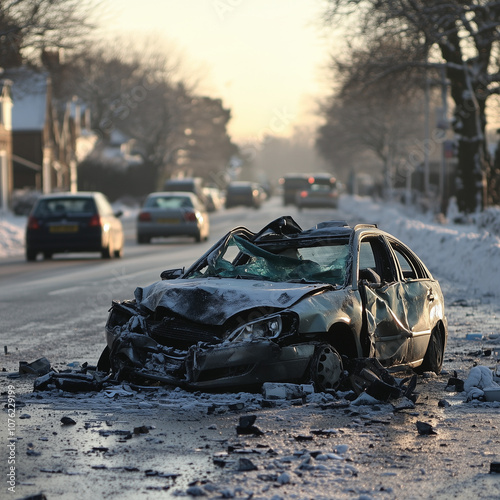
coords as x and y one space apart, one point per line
269 327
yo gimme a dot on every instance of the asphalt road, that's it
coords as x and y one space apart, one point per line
57 309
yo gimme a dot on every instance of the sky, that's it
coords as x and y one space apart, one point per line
265 59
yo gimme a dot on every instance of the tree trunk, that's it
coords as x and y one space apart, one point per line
472 163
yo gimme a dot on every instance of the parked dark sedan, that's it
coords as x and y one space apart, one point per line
282 305
73 222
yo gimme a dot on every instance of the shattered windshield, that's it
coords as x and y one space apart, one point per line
239 258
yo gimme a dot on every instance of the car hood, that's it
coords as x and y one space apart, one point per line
213 300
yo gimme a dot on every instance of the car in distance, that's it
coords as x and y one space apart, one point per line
188 185
165 214
242 193
214 200
291 185
282 305
321 192
73 222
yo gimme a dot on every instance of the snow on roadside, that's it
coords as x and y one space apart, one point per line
463 254
12 229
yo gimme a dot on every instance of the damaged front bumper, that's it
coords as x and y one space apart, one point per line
247 363
191 356
226 365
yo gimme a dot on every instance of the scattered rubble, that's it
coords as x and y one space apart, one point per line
425 429
67 421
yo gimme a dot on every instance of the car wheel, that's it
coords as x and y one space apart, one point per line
109 250
104 364
433 359
325 368
106 252
47 255
141 240
197 237
119 253
31 255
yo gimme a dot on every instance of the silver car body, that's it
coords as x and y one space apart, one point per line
283 305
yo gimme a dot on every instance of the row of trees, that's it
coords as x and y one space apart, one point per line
395 48
133 87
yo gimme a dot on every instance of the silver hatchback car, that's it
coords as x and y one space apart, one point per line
172 213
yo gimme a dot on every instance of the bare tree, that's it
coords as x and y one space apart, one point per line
370 117
141 92
27 27
464 38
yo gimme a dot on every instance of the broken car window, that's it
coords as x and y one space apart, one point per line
311 263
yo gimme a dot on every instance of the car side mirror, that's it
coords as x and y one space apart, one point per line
171 274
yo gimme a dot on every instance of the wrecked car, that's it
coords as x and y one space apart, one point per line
281 305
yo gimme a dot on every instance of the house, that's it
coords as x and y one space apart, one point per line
44 135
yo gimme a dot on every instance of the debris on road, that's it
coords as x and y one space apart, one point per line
245 464
38 367
67 421
480 378
455 384
246 426
425 429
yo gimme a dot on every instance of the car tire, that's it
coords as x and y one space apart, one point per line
104 364
433 359
325 368
142 240
118 253
31 255
47 255
106 252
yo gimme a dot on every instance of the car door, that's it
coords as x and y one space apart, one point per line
420 294
385 308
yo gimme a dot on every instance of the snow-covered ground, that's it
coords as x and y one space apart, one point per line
310 450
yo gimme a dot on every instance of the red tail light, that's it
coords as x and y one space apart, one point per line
95 221
33 223
190 217
144 217
303 194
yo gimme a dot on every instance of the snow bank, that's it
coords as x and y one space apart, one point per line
12 235
459 253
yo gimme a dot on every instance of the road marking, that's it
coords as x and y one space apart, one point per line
65 290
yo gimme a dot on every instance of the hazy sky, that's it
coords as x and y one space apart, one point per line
266 59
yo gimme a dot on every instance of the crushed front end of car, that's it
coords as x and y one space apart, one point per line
239 352
225 323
